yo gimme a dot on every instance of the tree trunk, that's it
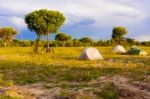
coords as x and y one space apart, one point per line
48 42
4 41
63 44
5 44
48 48
36 49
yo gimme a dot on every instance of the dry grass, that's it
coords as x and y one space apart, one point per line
64 67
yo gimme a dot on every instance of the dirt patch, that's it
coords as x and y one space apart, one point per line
67 90
132 90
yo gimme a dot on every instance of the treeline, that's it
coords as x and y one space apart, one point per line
45 22
83 42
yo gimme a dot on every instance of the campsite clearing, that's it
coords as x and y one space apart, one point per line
64 70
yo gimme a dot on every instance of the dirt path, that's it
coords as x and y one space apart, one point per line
127 89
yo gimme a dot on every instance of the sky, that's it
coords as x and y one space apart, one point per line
84 18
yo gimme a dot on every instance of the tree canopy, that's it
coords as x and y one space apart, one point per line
118 32
62 37
44 22
86 40
7 34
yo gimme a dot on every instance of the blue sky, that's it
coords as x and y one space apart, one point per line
92 18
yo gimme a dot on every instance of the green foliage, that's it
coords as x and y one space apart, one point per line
5 83
7 97
7 34
87 41
27 67
75 43
110 91
44 22
117 35
145 43
118 32
63 38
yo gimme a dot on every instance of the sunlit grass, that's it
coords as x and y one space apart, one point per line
23 66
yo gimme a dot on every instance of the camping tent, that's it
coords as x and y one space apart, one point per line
119 49
135 50
91 54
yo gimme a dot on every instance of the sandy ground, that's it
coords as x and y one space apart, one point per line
128 89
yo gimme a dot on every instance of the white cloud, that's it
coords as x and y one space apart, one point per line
18 22
143 38
102 11
105 13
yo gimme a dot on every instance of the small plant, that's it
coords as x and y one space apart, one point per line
64 94
5 83
7 97
109 91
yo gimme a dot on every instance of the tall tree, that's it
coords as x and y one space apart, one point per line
45 22
35 22
54 20
7 34
118 32
62 37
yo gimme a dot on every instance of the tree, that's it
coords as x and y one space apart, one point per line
7 34
54 20
118 33
87 41
62 37
76 42
44 22
35 22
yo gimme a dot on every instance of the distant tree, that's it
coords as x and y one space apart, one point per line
44 22
130 41
87 41
25 43
104 43
7 34
145 43
15 42
76 42
118 33
62 37
69 43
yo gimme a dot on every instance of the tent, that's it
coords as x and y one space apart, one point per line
135 50
119 49
91 54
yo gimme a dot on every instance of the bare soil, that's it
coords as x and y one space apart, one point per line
128 89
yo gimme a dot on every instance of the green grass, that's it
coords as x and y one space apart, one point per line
23 67
7 97
109 91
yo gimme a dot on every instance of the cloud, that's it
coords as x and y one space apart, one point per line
13 21
76 10
99 14
143 38
18 22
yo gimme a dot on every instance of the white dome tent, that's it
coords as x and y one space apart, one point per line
119 49
91 54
